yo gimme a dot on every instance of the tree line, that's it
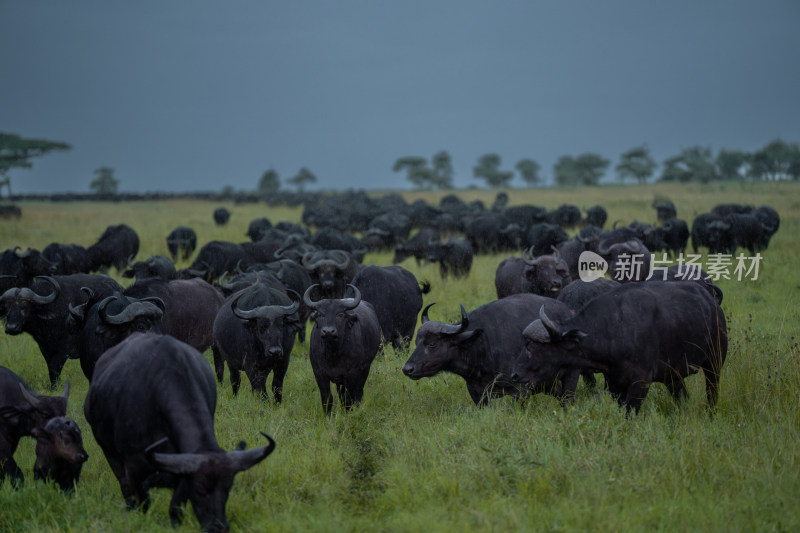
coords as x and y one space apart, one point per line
777 160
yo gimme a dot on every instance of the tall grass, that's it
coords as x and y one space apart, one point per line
419 455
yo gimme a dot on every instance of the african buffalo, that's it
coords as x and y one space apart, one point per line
345 339
155 267
454 256
255 331
396 296
481 348
21 412
42 311
221 216
115 247
636 334
332 270
181 242
545 275
59 452
151 408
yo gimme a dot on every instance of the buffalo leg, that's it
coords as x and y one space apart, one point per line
568 385
677 389
54 367
277 381
177 503
219 364
325 394
10 469
712 384
236 379
637 392
479 395
258 382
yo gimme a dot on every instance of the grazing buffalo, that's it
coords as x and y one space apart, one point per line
481 348
151 408
545 275
115 247
22 411
543 238
417 246
221 216
332 270
344 341
156 267
454 256
254 331
675 235
396 296
635 335
596 216
493 233
103 323
181 242
42 311
258 228
59 452
214 259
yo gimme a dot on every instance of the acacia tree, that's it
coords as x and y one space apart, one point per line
732 164
636 163
442 170
422 176
694 163
302 178
270 182
105 182
16 152
586 169
488 168
777 160
529 170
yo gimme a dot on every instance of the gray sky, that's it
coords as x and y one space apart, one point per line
195 95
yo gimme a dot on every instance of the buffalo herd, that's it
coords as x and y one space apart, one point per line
152 394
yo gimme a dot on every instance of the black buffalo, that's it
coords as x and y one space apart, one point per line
103 323
345 339
454 257
417 246
68 258
545 275
181 242
115 247
59 452
579 292
22 411
596 216
221 216
42 310
17 269
332 270
542 238
151 408
214 259
254 332
258 228
635 335
675 235
493 233
482 347
155 267
396 296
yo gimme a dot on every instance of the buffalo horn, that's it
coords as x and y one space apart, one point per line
455 329
549 325
355 300
344 261
307 297
425 312
244 459
130 313
30 397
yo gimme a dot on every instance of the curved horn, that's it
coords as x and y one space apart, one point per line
355 300
294 306
46 299
30 397
130 261
250 314
455 329
425 312
549 325
307 263
130 313
239 267
158 301
307 297
244 459
342 263
527 253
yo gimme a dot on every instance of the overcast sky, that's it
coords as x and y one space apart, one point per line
195 95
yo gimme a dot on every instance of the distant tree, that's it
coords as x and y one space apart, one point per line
488 168
732 164
442 170
302 178
270 182
694 163
105 182
529 170
586 169
777 160
636 163
16 152
415 170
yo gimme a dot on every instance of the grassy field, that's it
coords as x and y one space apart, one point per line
419 456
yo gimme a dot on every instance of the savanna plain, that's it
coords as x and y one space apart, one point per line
419 456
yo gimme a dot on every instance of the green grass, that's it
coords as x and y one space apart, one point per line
419 455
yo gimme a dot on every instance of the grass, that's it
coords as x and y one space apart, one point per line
419 455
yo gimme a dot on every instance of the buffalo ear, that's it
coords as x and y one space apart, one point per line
574 335
468 336
41 434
